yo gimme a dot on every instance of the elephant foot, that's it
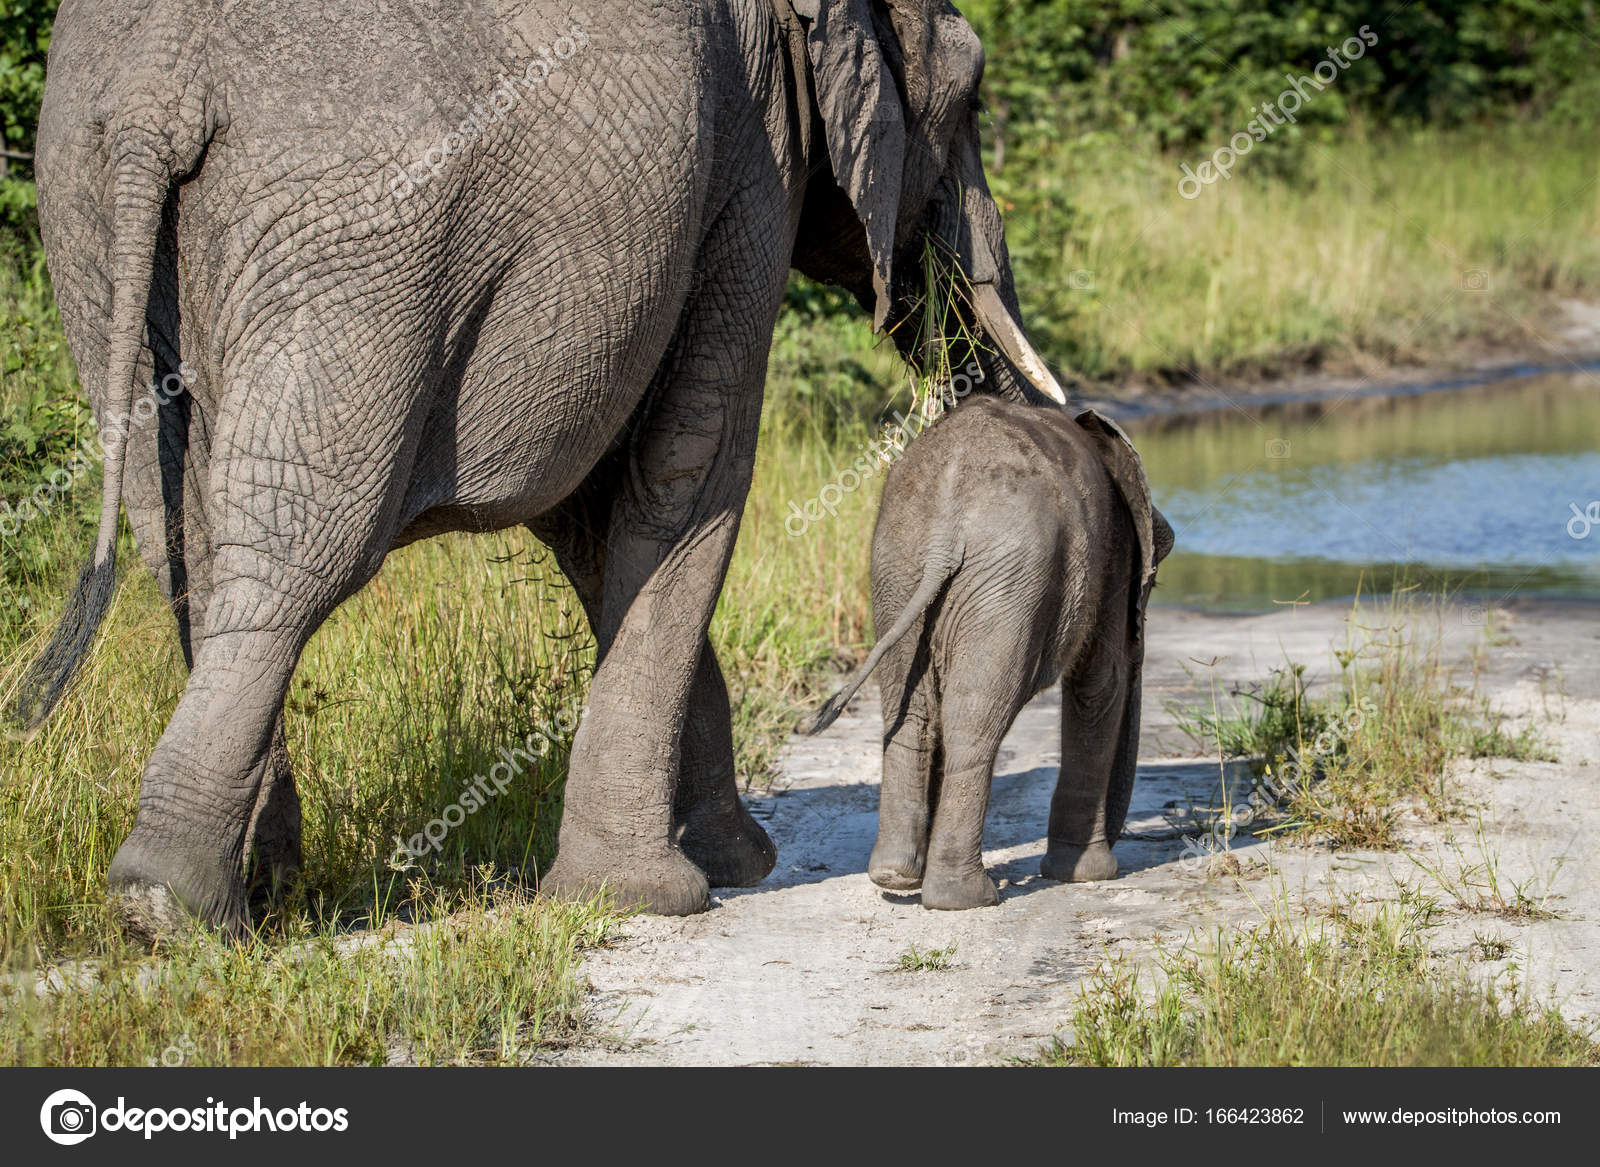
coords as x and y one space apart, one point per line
896 865
1078 863
957 892
733 850
161 891
661 883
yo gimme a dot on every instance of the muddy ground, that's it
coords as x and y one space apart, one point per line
802 970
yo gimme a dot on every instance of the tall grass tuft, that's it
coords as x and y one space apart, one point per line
1340 766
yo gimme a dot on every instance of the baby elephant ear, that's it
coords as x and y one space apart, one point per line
863 123
1126 468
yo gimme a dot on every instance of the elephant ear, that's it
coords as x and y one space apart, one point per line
1126 468
863 122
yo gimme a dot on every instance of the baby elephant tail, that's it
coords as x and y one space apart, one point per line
935 575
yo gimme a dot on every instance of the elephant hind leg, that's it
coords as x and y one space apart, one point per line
911 765
291 536
272 840
978 703
1096 698
669 539
185 858
167 513
711 824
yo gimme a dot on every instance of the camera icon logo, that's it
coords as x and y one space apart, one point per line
1474 280
1081 280
68 1117
1278 448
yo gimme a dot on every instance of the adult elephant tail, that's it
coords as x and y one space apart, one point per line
145 168
935 574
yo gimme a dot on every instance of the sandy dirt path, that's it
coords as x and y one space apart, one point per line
802 970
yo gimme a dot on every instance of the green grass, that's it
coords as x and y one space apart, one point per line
1357 259
1484 885
491 979
1387 249
1358 989
916 959
1341 766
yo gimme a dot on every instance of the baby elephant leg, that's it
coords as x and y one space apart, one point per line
910 762
976 711
1094 700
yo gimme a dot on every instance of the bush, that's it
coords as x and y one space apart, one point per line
24 42
1187 72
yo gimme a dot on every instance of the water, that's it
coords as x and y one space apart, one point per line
1492 490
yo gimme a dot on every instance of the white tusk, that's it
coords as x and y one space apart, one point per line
998 322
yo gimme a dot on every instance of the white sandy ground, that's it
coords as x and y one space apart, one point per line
802 969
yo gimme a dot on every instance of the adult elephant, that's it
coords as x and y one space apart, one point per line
461 266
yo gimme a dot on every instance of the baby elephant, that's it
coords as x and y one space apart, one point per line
1015 544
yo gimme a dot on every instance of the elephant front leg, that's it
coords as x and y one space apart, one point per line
712 825
616 832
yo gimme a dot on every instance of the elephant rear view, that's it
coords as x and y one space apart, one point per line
1015 545
407 269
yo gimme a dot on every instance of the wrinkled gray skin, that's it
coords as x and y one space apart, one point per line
1015 545
567 327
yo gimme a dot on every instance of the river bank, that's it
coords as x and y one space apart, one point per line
1571 346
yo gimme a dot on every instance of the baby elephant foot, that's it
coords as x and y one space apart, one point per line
895 866
662 883
1079 863
954 892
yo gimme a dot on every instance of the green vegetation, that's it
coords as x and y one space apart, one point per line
916 959
1181 72
489 981
1357 989
1340 766
1349 263
1348 241
1484 886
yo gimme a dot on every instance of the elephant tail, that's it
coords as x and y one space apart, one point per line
145 167
936 572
